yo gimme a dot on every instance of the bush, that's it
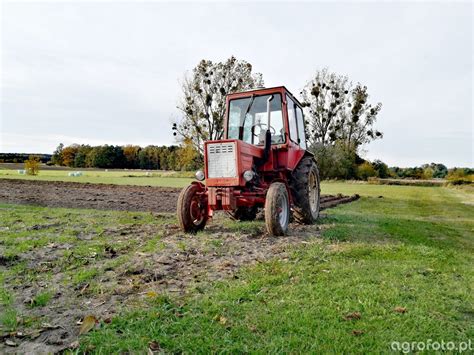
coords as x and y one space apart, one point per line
428 173
32 165
460 176
405 182
335 161
365 171
462 181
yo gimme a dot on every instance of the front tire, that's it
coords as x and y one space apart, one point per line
277 209
306 191
191 210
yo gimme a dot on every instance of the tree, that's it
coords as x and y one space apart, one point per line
172 158
203 100
188 157
69 154
106 156
338 111
57 158
381 169
80 160
32 165
439 170
130 153
163 156
149 157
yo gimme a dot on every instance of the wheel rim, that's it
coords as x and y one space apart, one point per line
313 192
196 211
283 210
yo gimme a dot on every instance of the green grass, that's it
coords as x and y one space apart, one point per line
412 248
84 275
41 299
118 177
8 314
9 319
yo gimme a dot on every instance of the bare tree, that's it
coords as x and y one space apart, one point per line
203 100
337 111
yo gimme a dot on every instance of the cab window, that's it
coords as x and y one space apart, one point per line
248 119
301 132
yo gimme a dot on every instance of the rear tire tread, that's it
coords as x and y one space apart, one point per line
299 188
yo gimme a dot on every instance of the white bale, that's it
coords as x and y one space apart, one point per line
21 172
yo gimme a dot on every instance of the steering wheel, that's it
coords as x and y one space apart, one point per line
262 128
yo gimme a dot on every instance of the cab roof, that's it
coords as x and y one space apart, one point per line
263 91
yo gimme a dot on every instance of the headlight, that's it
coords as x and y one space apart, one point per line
248 175
199 175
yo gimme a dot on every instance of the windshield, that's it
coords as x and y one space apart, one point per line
251 128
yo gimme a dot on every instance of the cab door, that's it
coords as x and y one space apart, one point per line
295 150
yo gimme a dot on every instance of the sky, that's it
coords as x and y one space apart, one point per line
103 72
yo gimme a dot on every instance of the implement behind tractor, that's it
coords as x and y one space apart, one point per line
261 162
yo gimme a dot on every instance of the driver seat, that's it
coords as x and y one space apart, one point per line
261 137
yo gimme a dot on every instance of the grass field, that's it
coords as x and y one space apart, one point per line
118 177
397 268
397 265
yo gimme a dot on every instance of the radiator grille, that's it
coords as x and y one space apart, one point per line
221 160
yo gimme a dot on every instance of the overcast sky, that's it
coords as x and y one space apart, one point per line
104 72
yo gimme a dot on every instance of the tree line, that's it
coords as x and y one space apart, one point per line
333 163
22 157
172 157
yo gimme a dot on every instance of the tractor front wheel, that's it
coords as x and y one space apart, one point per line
192 209
277 209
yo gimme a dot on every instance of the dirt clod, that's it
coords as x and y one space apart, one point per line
352 316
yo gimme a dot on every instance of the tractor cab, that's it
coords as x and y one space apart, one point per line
250 114
262 162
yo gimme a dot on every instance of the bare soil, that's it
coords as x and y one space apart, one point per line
106 196
84 195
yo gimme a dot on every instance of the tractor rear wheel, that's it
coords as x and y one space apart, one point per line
244 213
277 209
306 191
191 210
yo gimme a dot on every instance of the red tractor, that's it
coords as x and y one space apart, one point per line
261 162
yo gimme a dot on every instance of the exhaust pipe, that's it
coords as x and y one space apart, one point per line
268 134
